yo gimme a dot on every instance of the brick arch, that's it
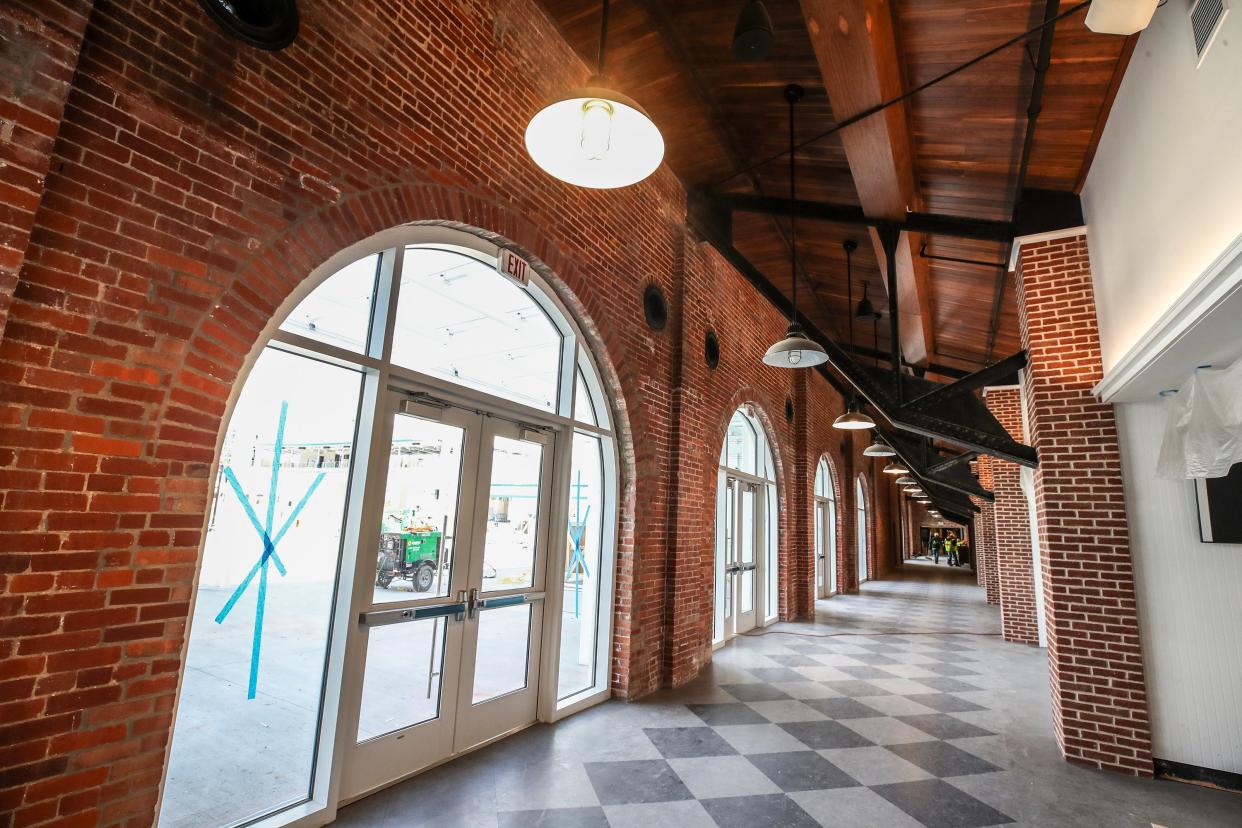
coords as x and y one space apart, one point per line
839 497
285 264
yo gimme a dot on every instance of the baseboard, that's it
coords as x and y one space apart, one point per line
1225 780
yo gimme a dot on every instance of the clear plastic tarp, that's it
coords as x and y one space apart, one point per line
1203 436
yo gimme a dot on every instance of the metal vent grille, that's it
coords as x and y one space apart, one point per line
1206 17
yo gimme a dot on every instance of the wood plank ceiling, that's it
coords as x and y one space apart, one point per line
719 115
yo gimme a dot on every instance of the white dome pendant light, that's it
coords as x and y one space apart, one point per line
595 137
852 419
796 350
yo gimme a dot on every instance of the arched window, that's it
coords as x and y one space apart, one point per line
416 498
746 530
825 507
860 527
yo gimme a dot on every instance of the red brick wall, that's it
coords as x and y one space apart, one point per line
1012 527
41 39
1098 693
985 540
194 183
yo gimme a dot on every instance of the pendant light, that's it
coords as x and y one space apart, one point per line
852 419
906 480
865 309
879 448
595 137
896 467
796 350
752 36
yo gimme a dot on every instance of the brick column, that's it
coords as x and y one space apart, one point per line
1012 539
1099 699
987 535
40 54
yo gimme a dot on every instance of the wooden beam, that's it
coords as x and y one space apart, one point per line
855 45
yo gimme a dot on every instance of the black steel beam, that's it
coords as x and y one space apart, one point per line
965 422
932 223
1000 371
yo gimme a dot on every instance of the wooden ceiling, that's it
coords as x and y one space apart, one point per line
965 136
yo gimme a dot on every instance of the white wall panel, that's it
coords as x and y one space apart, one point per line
1190 607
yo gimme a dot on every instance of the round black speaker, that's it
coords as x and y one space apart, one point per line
264 24
655 307
711 350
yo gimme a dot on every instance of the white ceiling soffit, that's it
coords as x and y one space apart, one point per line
1204 327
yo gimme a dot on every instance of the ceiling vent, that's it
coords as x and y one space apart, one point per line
1206 17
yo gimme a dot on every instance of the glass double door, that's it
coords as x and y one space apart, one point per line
451 602
741 555
825 548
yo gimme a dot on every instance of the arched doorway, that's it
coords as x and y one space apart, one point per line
746 534
825 530
860 527
411 541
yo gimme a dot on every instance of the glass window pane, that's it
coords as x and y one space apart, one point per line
248 713
503 652
460 320
584 409
404 672
513 513
819 479
747 550
419 520
338 312
740 444
580 607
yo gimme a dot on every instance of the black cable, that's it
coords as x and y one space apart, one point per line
603 39
880 107
793 212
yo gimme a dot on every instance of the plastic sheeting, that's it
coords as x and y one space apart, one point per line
1203 435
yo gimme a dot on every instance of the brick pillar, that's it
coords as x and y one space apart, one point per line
1013 528
41 40
1099 698
987 535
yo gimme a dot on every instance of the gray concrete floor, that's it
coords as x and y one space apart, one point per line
897 707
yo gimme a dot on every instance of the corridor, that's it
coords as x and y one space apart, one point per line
897 707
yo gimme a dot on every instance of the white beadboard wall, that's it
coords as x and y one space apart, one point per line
1190 607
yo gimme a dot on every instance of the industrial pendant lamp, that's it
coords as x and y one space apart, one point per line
896 467
796 350
595 137
752 36
865 309
879 448
852 419
906 480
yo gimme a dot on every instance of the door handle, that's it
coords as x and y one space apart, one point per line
472 603
382 618
733 568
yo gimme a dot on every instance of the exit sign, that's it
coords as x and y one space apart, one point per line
513 267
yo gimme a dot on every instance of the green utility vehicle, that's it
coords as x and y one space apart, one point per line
409 551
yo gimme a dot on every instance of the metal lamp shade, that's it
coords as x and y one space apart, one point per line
795 351
634 146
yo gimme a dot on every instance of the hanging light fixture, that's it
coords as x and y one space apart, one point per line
853 419
752 36
906 480
865 309
595 137
896 467
796 350
879 448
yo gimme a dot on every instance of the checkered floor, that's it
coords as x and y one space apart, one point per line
897 707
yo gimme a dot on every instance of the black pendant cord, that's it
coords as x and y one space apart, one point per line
603 40
849 289
793 212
